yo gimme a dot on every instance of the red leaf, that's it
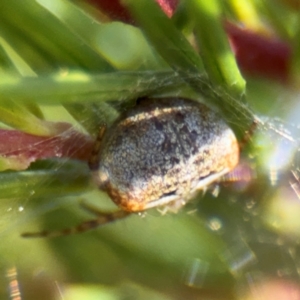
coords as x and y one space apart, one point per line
259 55
116 11
19 149
168 6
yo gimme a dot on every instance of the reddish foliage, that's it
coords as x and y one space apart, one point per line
116 11
20 149
259 55
168 6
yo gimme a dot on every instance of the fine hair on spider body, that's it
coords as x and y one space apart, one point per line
161 152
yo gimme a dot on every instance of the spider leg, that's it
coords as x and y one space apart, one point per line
94 158
248 134
102 219
93 209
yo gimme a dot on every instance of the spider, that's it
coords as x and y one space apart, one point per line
160 153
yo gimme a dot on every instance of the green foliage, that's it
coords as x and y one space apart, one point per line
58 54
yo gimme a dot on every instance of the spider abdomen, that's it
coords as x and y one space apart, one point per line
163 151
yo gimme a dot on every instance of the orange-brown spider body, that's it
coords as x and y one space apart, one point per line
162 151
159 153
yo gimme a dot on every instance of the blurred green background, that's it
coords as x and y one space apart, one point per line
66 61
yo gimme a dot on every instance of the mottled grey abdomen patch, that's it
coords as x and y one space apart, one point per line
164 150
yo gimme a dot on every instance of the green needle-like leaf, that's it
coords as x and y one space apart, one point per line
214 47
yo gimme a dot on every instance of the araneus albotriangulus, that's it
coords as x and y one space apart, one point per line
159 153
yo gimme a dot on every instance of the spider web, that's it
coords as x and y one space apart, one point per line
243 235
244 215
